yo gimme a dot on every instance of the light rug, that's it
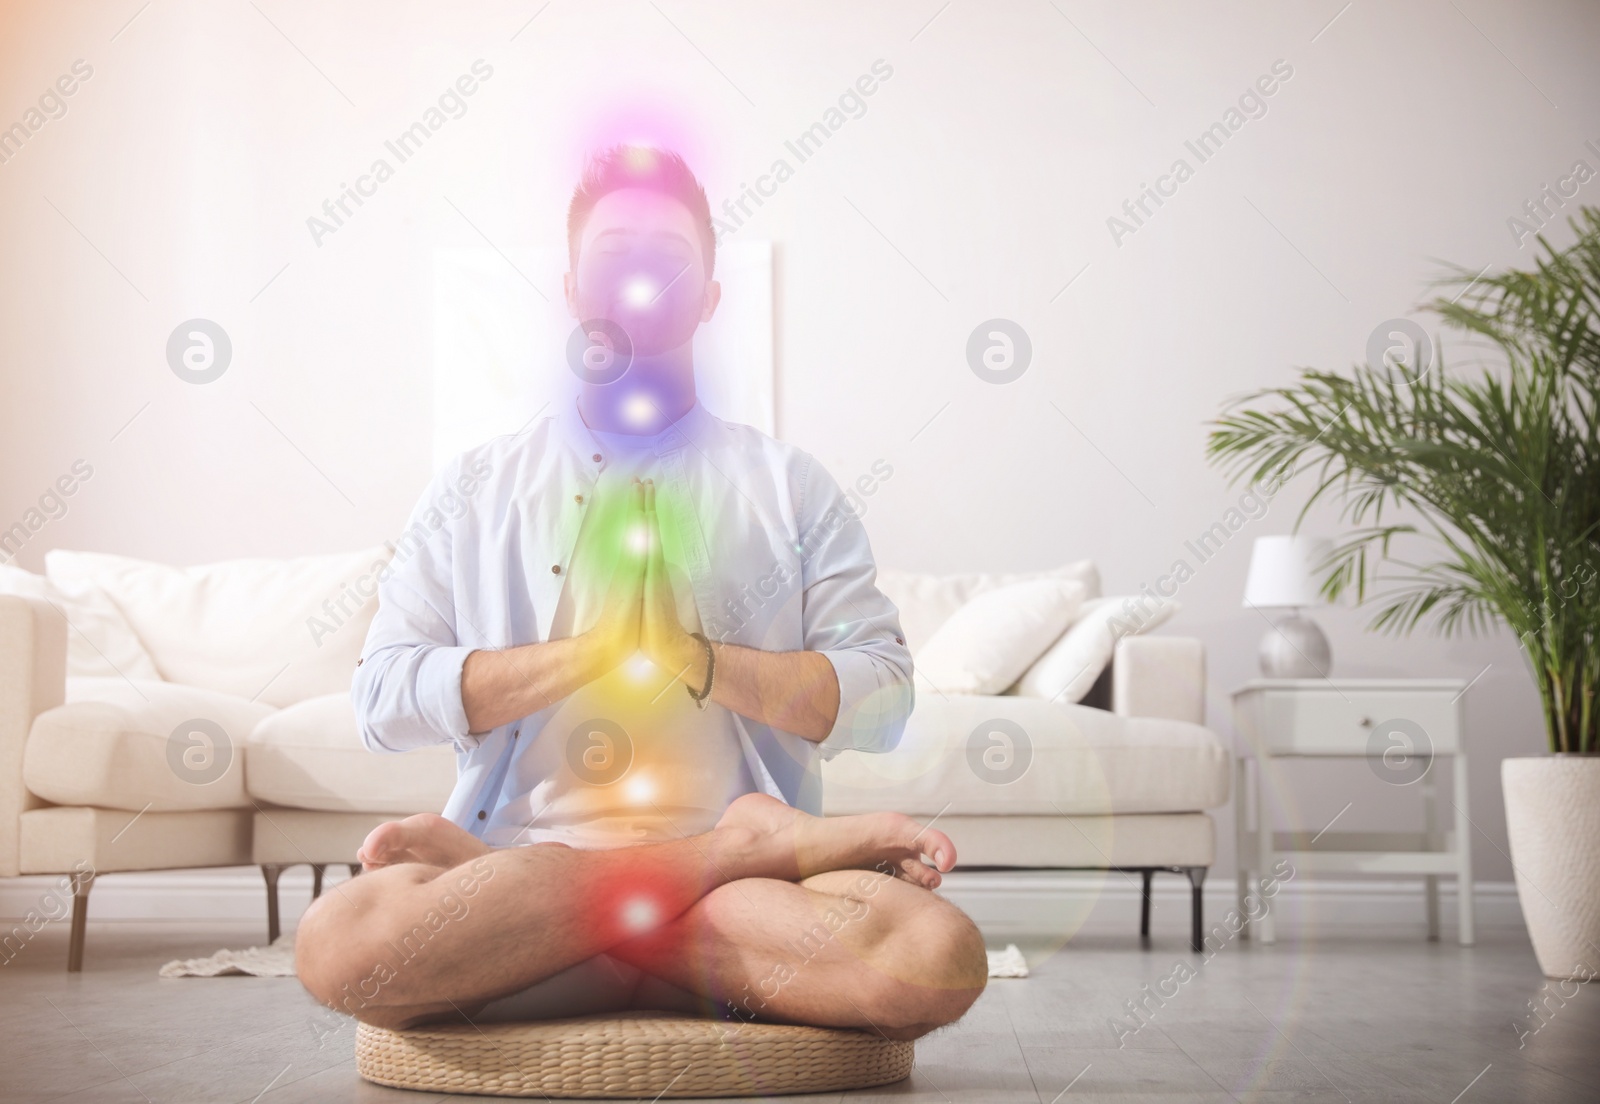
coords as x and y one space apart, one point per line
274 960
1008 963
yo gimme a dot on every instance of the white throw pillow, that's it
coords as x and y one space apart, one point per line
100 642
926 601
1067 672
993 638
273 631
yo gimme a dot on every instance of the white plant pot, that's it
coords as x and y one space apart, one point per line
1553 822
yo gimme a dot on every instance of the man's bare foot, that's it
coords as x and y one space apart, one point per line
424 838
802 845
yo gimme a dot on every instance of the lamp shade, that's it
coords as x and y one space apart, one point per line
1283 571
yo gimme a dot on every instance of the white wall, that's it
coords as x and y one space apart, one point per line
976 184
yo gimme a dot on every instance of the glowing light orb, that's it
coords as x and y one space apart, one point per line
639 789
639 538
639 292
640 914
638 410
640 667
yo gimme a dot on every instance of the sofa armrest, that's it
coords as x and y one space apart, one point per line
1159 676
33 678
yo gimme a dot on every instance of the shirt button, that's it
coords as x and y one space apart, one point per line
598 458
515 732
578 499
483 814
555 569
899 640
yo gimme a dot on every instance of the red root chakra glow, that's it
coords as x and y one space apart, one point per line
640 914
635 902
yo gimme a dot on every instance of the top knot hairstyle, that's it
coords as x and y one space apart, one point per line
640 167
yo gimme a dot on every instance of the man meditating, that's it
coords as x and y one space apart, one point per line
641 627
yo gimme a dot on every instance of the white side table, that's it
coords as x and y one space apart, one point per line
1398 725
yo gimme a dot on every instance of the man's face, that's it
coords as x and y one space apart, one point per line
640 265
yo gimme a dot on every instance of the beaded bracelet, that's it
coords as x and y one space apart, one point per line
704 695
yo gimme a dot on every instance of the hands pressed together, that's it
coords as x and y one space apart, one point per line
640 614
794 691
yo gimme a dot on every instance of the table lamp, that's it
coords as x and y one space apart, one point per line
1283 575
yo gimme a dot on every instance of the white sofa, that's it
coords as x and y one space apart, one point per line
106 764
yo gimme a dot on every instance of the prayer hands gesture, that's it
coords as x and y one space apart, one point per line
640 612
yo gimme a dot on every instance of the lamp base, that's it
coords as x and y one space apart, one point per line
1296 648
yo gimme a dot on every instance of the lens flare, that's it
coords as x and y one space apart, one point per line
640 914
640 668
639 539
640 790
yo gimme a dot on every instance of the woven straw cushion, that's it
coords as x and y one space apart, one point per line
628 1054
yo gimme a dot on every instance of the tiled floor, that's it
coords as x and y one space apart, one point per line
1356 1016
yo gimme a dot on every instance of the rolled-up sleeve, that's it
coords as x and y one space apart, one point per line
850 621
407 687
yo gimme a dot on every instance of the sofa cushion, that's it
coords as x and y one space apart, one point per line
310 756
927 601
121 744
1070 668
278 630
997 634
966 755
100 642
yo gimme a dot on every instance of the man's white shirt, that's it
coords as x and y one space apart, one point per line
763 550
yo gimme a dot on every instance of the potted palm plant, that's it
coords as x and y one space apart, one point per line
1474 496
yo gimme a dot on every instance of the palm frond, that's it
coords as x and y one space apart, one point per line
1501 465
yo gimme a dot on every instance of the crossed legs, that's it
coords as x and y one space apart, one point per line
773 915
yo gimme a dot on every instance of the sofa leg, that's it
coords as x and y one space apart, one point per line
270 872
80 920
316 879
1144 904
1197 879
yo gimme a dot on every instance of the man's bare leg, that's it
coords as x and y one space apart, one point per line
412 941
848 948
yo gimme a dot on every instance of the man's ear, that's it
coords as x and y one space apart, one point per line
713 296
569 288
